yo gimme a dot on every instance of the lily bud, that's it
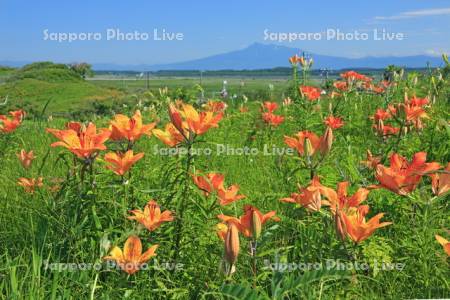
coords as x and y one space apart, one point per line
327 141
231 244
341 229
301 59
175 118
405 130
256 225
317 108
380 126
308 148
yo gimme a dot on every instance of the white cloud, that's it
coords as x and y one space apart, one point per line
416 14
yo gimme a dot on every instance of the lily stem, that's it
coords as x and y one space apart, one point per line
181 206
254 267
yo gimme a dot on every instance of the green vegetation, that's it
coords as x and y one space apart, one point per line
32 86
80 213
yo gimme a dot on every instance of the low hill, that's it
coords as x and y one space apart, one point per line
33 85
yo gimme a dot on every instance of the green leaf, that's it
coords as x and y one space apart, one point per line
240 292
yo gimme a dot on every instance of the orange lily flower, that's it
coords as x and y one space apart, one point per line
411 111
389 130
270 106
131 129
209 183
294 60
341 85
308 143
392 109
17 114
272 119
352 76
414 114
356 226
309 197
82 141
214 182
120 163
189 122
372 161
246 223
444 243
131 258
170 136
376 89
229 219
8 125
440 182
334 122
26 158
299 140
229 195
340 200
268 116
414 101
310 92
403 177
151 217
30 184
253 220
215 106
381 114
199 123
385 130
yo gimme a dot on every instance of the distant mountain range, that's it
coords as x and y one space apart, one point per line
266 56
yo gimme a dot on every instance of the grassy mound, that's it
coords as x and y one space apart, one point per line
32 86
48 72
5 72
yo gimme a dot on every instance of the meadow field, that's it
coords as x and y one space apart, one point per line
279 188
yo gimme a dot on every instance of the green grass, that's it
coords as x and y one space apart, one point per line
244 84
71 226
252 88
31 92
32 86
62 96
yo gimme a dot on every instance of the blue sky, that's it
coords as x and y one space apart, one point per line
212 27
